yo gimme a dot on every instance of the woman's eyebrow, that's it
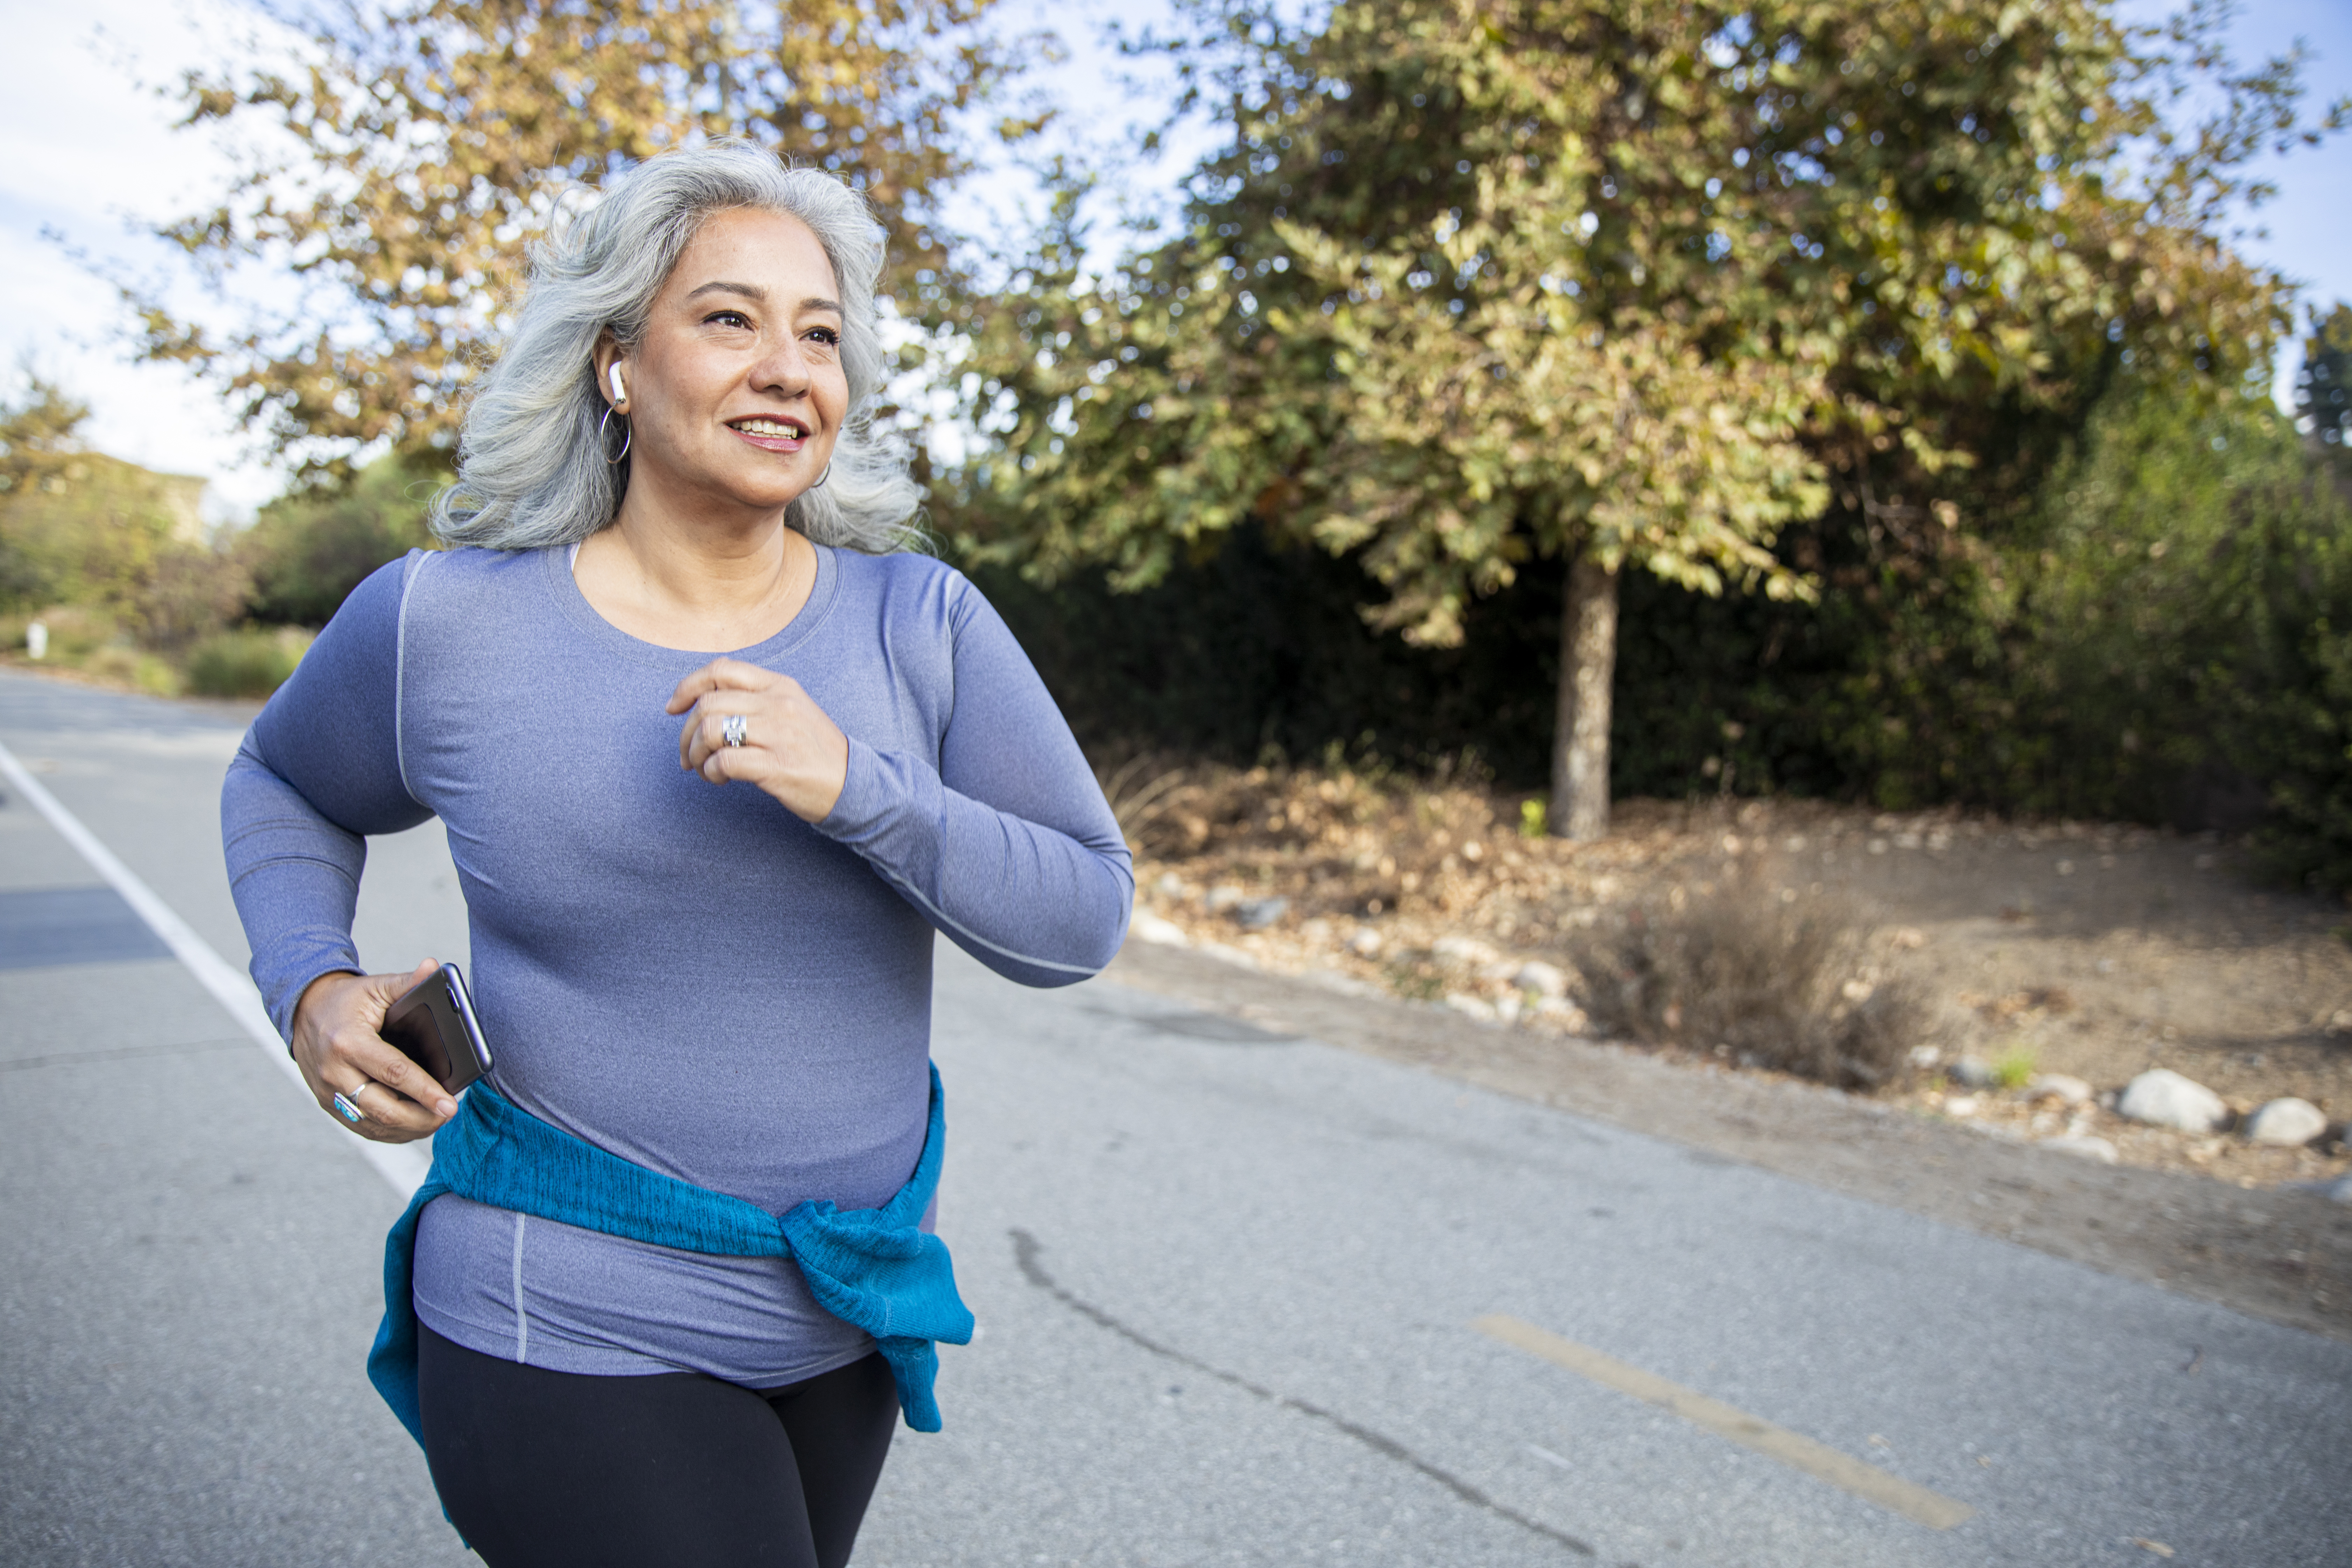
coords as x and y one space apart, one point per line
758 295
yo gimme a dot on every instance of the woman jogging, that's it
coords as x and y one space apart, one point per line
716 756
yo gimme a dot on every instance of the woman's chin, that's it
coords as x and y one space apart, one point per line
757 496
767 481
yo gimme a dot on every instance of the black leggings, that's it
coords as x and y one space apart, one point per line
551 1468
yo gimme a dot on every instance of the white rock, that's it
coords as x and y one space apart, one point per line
1926 1055
2162 1098
1461 950
1256 914
1971 1072
1170 885
2083 1145
2063 1087
1477 1007
1509 1006
1222 898
1543 979
1365 943
1564 1013
1160 932
2290 1122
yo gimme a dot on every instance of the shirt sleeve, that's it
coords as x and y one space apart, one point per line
319 770
1008 847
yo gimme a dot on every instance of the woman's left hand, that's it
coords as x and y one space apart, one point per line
790 747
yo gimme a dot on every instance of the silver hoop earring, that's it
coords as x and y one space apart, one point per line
604 438
822 477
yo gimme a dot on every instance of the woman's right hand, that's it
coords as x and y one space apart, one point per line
340 1051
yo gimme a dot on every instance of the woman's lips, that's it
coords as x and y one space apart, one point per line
772 435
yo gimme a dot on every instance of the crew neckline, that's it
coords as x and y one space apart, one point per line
559 562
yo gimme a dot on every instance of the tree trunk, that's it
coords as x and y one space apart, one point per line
1587 666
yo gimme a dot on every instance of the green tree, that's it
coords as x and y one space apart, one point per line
2182 620
429 141
2323 393
1611 282
310 548
41 460
40 436
78 527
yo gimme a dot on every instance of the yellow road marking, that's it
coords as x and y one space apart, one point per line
1866 1481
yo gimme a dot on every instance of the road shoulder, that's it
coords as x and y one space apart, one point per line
2277 1253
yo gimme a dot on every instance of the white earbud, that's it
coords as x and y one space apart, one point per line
620 393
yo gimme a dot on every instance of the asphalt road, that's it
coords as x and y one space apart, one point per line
1243 1299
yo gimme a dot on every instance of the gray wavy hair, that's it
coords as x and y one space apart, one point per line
531 467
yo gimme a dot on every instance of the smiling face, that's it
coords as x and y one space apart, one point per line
736 390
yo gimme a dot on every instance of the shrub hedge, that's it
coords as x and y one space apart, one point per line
251 661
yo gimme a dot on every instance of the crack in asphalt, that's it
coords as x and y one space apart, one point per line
1028 1251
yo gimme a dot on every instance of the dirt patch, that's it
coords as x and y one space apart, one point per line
2093 950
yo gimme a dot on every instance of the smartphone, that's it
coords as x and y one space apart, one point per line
434 1026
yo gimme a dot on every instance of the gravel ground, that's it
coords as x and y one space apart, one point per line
2095 951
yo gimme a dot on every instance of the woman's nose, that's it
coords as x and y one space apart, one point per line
784 368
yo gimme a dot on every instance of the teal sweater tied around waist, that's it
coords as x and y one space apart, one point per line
873 1268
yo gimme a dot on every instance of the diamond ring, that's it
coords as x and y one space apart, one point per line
734 728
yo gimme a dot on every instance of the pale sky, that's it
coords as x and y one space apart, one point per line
85 154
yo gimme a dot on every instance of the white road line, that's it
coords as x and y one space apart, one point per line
1818 1459
401 1164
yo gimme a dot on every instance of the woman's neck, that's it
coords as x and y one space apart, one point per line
701 590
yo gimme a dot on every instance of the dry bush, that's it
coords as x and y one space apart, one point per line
76 632
1141 791
88 641
188 593
1745 974
1353 837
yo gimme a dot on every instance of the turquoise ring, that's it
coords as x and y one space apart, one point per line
348 1106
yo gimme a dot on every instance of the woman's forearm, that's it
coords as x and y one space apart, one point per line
1033 902
318 770
296 879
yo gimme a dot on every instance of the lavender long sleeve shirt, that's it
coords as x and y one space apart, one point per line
689 976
